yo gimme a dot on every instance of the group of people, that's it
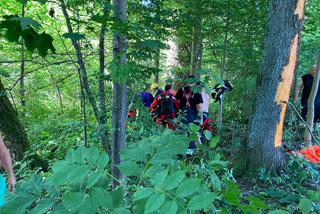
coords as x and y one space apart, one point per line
193 107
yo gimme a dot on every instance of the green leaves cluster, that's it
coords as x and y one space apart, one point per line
78 184
16 27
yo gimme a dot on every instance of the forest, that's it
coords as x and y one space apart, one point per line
160 106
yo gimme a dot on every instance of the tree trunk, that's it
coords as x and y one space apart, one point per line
312 97
196 45
22 66
84 77
102 97
285 20
119 91
14 134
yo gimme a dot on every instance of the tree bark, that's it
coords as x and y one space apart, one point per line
14 134
119 91
312 97
102 91
285 20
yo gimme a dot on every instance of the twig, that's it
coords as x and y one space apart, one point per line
305 123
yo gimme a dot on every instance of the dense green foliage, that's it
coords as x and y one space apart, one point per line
157 179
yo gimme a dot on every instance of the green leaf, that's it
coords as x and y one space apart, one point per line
232 198
233 187
93 178
142 193
92 155
129 168
215 182
102 197
26 22
73 36
207 134
44 44
77 175
278 212
305 205
174 180
18 204
169 207
188 187
193 128
117 197
202 201
154 202
249 209
43 206
257 202
120 211
72 201
214 142
103 161
159 178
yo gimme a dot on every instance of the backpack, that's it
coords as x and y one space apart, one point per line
166 104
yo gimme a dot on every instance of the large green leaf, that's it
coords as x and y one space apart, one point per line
174 180
215 182
159 178
232 198
154 202
27 22
188 187
102 197
169 207
103 161
94 178
142 193
72 201
77 175
249 209
257 202
305 205
92 155
18 204
129 168
214 142
43 206
44 43
202 201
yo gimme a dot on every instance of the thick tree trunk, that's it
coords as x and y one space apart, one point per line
285 20
119 91
14 134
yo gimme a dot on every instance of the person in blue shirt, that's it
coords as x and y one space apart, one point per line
6 163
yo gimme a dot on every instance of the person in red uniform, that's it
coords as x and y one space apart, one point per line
164 108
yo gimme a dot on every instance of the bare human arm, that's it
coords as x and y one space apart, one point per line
297 92
6 163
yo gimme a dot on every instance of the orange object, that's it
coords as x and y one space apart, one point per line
312 155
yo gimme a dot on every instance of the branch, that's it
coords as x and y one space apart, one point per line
305 123
36 69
